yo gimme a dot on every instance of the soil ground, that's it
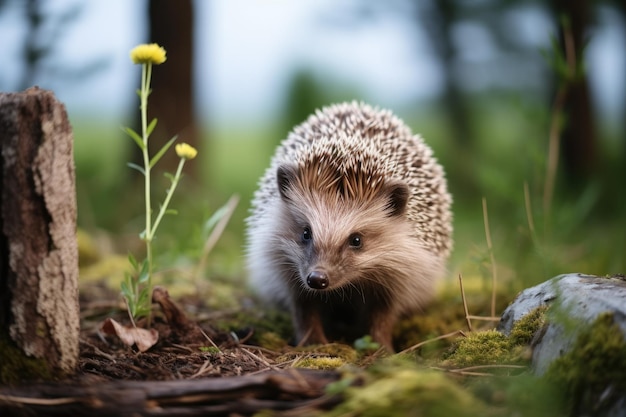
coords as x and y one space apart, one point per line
177 355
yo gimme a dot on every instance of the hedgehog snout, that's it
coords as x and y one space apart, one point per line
318 280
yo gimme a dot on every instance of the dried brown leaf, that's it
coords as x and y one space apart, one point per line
144 339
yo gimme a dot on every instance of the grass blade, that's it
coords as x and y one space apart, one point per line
164 149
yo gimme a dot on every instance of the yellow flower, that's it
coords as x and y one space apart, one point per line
186 151
148 53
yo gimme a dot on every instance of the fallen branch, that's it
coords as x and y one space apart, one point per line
243 395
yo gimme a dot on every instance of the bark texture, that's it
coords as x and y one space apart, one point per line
39 309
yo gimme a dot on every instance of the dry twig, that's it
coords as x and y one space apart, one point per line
494 276
529 212
469 322
434 339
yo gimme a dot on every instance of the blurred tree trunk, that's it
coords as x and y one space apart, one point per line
620 7
32 51
438 21
578 140
172 99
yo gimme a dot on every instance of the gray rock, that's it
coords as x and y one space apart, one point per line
580 298
576 301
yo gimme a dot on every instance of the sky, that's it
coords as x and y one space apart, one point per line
246 51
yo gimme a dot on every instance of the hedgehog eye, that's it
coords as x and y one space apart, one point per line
307 235
355 241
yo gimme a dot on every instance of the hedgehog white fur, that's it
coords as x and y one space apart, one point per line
351 225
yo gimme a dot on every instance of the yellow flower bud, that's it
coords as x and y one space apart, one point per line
148 53
186 151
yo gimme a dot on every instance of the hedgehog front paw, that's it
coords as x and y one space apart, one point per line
308 326
382 329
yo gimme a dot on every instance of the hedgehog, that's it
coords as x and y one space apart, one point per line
350 227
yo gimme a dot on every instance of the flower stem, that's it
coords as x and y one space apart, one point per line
170 192
146 74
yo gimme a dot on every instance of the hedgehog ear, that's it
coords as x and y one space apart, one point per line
285 176
398 196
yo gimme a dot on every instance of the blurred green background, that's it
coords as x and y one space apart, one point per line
482 82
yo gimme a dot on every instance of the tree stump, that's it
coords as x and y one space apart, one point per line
39 312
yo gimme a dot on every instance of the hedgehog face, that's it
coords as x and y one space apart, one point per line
334 239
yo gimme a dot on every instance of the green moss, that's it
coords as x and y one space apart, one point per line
593 372
271 341
15 367
525 329
588 380
524 395
493 347
329 356
401 389
325 363
478 348
339 350
437 320
444 315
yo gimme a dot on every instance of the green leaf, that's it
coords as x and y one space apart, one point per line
126 292
137 167
143 274
143 277
133 261
143 303
366 343
142 311
169 176
171 211
143 297
164 149
151 127
135 137
133 309
128 279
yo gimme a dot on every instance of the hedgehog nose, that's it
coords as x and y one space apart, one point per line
317 280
